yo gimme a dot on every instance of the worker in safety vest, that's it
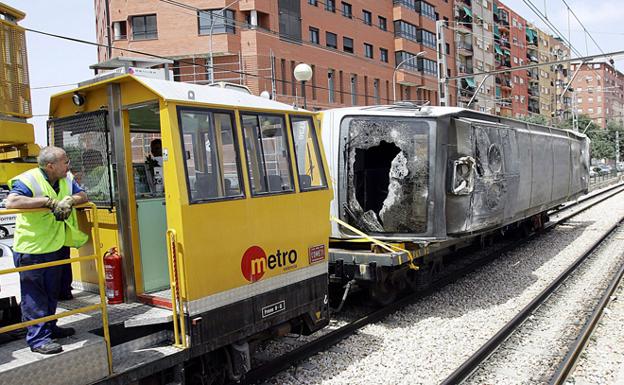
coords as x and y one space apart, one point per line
45 236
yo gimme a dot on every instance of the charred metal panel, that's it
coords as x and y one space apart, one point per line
495 183
525 171
387 184
561 166
542 182
460 145
492 183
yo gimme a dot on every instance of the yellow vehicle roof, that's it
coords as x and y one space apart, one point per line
187 92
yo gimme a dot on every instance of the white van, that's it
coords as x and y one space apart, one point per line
7 226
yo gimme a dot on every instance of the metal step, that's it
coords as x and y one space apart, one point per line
82 361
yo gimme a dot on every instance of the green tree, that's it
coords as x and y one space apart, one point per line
535 119
583 121
603 140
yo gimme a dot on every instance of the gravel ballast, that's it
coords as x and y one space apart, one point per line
602 362
532 354
425 342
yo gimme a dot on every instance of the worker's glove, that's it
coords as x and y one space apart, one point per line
51 204
63 208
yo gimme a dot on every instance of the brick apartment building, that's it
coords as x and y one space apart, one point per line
599 92
516 43
352 46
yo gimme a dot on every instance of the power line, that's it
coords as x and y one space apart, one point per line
268 78
536 65
81 41
200 14
582 25
53 86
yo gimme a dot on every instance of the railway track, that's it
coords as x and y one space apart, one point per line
274 366
566 367
481 357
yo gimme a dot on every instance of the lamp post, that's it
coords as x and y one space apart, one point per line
222 12
419 54
303 73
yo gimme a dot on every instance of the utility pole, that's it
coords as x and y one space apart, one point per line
617 148
440 50
574 113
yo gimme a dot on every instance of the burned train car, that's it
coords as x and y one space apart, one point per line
433 179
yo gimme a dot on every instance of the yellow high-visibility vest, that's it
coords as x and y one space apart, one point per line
40 232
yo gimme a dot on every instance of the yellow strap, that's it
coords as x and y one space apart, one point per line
386 246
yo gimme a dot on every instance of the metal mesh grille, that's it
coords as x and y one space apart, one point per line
85 138
14 82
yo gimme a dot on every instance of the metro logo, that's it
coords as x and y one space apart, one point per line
255 262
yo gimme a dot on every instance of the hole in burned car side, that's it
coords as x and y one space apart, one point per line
388 175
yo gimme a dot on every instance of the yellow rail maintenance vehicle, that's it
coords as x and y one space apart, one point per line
18 150
17 136
217 202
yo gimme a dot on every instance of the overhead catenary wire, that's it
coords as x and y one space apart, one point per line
267 78
583 26
201 14
82 41
568 41
537 65
275 34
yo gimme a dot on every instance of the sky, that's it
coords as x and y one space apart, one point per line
54 62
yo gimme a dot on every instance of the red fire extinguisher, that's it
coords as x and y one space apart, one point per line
113 276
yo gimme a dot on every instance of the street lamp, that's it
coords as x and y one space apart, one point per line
303 73
222 12
397 68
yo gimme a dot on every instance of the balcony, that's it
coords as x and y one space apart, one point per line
466 2
503 25
533 75
531 38
504 82
463 15
468 85
504 104
464 69
533 92
502 62
534 108
464 48
465 96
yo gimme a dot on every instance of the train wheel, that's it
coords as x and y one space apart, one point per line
383 293
421 279
209 369
544 219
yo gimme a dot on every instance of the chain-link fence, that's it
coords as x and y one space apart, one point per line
85 138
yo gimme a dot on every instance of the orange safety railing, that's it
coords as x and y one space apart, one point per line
95 238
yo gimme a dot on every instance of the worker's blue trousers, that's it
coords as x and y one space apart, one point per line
66 277
40 290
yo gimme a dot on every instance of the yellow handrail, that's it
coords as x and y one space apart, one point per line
95 237
176 275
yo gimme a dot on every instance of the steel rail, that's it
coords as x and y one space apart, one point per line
568 364
473 363
298 354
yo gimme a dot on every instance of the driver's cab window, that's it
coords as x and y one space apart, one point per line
211 153
147 151
268 160
147 169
